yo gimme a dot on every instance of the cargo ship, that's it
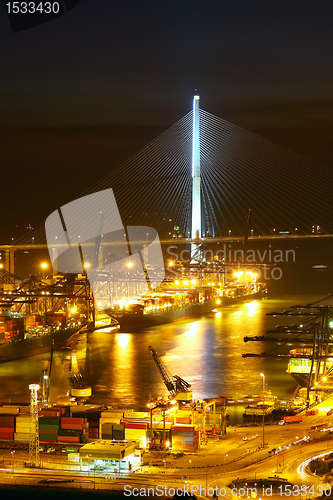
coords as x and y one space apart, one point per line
179 301
22 337
300 368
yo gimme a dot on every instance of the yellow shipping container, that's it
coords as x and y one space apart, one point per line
136 414
23 437
22 428
9 410
110 414
134 434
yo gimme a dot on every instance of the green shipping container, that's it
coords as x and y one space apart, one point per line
52 437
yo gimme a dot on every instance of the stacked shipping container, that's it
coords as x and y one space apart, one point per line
22 429
48 429
185 438
56 425
73 430
7 427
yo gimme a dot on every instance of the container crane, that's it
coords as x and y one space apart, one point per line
178 388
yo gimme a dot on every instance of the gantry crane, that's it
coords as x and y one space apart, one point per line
200 407
313 330
178 388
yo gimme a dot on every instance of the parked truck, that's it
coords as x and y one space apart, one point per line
292 420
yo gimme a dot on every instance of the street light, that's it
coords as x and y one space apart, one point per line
189 461
224 463
206 481
12 453
44 266
263 411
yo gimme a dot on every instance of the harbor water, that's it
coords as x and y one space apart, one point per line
205 351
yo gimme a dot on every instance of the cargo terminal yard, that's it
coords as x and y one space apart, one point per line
103 448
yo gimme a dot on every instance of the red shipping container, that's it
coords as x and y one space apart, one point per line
183 428
48 440
135 426
4 430
48 431
7 436
7 418
68 439
44 413
76 427
72 420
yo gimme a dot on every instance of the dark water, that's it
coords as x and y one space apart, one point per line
205 351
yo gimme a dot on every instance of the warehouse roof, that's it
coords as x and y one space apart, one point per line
108 450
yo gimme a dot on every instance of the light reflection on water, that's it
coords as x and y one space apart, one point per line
204 351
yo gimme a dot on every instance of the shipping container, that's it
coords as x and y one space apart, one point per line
69 432
71 420
48 431
68 439
107 436
9 410
293 419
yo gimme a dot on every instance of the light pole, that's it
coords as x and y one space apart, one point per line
12 454
206 481
263 410
224 463
189 461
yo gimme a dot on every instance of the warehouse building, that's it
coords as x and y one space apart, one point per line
112 456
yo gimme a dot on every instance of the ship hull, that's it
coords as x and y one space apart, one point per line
30 347
301 378
137 321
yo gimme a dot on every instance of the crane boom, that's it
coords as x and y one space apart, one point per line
165 376
175 384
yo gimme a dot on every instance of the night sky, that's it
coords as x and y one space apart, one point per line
82 93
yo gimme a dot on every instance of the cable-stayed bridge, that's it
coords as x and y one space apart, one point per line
201 176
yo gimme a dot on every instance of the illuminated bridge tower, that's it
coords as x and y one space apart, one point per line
196 195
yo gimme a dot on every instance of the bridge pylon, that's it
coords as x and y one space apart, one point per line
196 187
